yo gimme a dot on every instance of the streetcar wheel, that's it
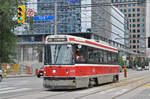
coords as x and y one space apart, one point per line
93 82
38 76
90 83
115 78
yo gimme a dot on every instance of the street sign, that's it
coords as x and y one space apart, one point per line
73 0
30 12
43 18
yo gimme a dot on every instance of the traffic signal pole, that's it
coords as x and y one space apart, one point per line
55 20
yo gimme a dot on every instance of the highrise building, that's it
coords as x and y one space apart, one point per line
75 16
135 12
118 25
148 24
101 18
68 16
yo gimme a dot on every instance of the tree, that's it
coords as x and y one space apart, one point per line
120 60
8 9
138 61
131 62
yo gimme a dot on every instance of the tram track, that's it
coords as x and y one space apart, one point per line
122 83
102 88
51 95
107 87
132 89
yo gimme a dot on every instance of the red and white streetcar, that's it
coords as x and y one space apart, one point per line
75 62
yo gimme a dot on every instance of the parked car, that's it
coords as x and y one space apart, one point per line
40 72
139 68
1 75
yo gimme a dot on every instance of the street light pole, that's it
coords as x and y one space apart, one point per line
55 21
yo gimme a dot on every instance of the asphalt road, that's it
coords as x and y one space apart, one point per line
136 86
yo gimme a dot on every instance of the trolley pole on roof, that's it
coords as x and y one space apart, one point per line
55 20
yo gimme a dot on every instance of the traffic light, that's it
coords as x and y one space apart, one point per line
148 42
21 13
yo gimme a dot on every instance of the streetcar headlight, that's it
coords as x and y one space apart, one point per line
54 70
67 71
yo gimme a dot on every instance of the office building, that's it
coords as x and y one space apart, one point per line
68 16
148 25
118 25
135 12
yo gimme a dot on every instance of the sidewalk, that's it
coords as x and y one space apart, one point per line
19 75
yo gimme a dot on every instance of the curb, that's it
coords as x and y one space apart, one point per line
17 76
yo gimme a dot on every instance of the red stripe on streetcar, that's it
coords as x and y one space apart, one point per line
81 70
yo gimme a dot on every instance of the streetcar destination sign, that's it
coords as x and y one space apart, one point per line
57 39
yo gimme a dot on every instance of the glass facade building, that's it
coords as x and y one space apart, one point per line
118 25
68 16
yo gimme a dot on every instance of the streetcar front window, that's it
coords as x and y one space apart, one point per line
58 54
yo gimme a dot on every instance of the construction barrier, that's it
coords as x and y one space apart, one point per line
14 69
28 70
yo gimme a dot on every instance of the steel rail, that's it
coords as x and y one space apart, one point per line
117 85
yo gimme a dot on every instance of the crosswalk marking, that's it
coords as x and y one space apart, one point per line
12 89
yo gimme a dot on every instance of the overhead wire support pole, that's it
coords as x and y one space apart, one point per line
55 20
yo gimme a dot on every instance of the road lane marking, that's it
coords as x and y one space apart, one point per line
15 90
87 90
8 88
121 91
108 91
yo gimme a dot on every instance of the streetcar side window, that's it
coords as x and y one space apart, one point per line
95 56
109 57
105 57
101 56
81 55
90 55
114 58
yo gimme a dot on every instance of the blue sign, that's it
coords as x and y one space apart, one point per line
43 18
73 0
